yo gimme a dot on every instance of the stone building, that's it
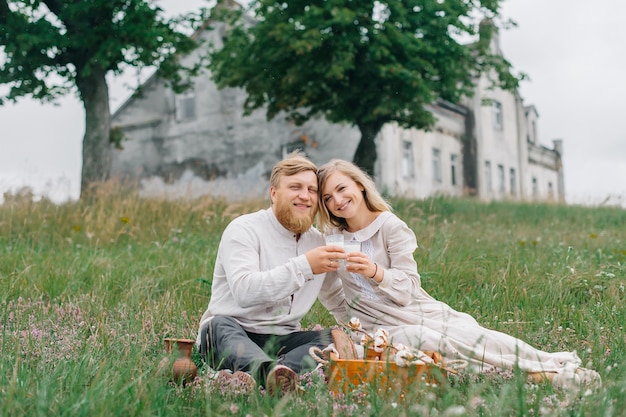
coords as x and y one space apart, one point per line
200 143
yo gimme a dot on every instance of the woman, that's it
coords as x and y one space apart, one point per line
382 286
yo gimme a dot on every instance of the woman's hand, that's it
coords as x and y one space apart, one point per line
359 263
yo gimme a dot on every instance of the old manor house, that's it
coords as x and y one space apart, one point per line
199 143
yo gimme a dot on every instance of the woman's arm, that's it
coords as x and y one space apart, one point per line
397 275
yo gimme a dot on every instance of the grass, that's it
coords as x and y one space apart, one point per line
89 290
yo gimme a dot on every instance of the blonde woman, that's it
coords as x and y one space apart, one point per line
383 289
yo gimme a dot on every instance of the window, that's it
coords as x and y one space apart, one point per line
497 115
436 165
513 182
550 190
454 169
488 184
186 106
228 106
407 160
501 186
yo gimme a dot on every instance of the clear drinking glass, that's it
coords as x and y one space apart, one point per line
336 240
352 246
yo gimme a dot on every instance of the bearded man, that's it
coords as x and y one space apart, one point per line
270 269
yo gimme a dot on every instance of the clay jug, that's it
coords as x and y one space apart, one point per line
183 369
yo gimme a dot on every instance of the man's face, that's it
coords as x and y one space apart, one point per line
295 201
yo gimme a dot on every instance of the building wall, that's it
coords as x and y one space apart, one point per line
218 150
498 145
543 174
427 177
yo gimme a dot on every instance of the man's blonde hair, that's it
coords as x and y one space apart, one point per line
293 164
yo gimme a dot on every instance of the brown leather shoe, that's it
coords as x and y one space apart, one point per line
281 380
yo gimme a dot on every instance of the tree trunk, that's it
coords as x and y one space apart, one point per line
366 154
94 93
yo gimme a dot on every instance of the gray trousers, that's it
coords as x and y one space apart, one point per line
226 345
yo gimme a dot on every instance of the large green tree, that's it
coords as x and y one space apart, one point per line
359 61
51 47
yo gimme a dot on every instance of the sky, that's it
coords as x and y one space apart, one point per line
571 51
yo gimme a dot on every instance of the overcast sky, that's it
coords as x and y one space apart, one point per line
568 48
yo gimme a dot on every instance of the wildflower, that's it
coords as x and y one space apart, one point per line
476 402
76 227
593 235
125 219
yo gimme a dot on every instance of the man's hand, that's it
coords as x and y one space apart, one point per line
325 258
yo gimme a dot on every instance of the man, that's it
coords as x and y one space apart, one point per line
268 273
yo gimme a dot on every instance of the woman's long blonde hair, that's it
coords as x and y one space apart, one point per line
373 200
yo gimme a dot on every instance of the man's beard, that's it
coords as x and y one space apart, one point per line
293 222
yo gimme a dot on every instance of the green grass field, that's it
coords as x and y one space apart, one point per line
89 290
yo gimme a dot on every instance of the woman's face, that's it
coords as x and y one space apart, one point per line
342 196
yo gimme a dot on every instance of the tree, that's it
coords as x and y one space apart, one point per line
362 62
52 47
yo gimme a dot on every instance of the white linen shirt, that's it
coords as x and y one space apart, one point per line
263 280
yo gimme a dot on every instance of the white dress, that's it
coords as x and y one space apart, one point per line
401 306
